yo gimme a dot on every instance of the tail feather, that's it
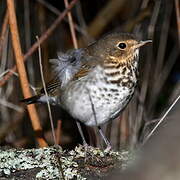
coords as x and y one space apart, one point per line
31 100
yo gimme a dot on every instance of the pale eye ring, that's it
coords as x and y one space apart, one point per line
122 45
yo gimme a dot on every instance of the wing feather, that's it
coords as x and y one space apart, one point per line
51 87
71 65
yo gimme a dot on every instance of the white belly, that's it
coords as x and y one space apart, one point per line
107 100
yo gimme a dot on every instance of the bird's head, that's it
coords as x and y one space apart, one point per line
117 48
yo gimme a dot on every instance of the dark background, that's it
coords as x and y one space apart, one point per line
159 66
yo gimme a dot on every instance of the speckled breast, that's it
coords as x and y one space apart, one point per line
100 96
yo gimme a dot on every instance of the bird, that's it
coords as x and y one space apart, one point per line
94 84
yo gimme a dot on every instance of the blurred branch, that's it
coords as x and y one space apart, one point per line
57 12
153 21
141 98
144 4
124 130
103 18
44 36
160 57
3 31
168 66
129 26
163 40
22 72
80 17
177 6
175 92
10 105
8 127
27 36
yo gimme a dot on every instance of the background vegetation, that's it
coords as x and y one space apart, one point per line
159 67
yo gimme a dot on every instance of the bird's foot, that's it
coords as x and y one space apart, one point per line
108 148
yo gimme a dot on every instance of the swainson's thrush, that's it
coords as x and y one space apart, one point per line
95 83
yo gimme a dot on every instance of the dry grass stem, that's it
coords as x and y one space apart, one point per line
162 119
46 94
22 72
71 25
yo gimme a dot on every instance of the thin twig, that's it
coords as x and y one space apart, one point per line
7 71
49 7
22 72
8 75
161 120
46 94
71 25
46 35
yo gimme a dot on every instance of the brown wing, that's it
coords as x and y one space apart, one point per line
51 87
82 72
85 68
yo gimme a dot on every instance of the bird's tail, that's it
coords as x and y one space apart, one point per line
31 100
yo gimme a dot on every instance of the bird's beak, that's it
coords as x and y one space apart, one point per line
142 43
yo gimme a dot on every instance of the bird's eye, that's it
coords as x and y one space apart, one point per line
122 45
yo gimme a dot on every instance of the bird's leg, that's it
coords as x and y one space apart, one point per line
83 139
81 133
105 139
